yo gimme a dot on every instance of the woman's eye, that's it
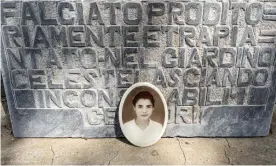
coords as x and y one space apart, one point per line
139 106
149 106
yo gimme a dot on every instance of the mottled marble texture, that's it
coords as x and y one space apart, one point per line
66 65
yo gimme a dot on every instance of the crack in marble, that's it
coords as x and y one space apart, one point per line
113 157
183 152
225 151
53 157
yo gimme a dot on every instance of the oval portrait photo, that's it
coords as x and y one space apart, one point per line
143 114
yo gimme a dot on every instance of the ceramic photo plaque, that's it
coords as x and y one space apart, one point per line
143 114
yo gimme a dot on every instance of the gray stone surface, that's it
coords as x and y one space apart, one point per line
67 64
113 151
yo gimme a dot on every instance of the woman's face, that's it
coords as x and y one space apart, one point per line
143 109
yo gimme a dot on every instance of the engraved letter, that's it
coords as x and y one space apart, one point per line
133 6
112 13
155 9
150 36
88 58
211 9
169 58
251 17
28 13
176 10
193 13
94 14
61 7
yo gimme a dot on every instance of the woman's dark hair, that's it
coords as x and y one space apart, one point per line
143 95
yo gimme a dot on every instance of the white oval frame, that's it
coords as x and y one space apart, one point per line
139 84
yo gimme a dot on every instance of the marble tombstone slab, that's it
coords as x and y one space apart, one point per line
66 64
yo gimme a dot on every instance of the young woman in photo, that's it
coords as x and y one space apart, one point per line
142 128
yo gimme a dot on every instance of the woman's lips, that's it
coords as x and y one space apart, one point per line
145 115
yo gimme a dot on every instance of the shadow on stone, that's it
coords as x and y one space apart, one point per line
118 132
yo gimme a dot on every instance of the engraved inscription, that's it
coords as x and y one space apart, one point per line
82 56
